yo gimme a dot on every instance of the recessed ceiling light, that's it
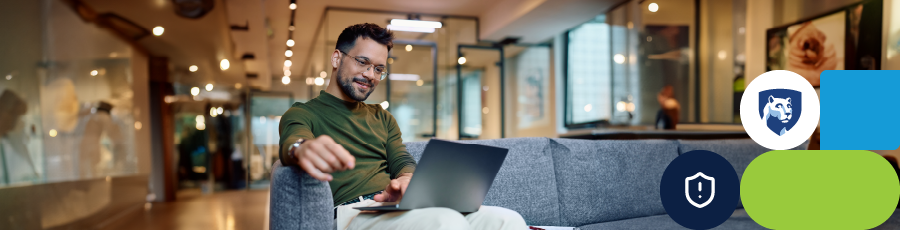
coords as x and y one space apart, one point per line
408 48
209 87
158 31
288 53
285 80
320 81
287 72
323 74
461 60
290 42
416 23
293 6
94 72
193 68
288 63
291 28
653 7
385 104
195 91
224 64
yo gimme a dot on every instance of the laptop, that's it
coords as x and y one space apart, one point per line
451 175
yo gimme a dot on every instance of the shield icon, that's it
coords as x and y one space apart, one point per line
691 183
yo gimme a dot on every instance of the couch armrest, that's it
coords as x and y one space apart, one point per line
299 201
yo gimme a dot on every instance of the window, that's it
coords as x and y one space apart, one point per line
588 73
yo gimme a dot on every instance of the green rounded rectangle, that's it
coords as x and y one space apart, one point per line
818 189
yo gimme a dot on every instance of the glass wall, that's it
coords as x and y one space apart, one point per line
412 89
67 96
588 69
618 64
529 92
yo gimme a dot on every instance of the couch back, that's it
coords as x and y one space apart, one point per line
569 182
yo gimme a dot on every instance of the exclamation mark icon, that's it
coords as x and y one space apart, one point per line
700 188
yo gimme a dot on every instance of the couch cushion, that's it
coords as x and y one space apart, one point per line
607 180
738 152
526 183
739 220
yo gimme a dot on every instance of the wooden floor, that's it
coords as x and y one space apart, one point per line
229 210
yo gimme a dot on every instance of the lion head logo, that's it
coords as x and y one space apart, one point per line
780 109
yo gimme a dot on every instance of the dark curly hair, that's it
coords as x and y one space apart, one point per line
348 37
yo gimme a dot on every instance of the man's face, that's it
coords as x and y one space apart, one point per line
352 74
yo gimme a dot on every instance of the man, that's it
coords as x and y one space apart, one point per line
357 147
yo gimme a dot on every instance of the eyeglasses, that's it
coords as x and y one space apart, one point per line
363 63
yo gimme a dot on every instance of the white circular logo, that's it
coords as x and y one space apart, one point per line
780 109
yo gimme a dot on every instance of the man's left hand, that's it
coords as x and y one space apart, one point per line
394 190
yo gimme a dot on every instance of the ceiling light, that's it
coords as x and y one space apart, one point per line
408 48
309 81
410 29
285 80
220 110
212 112
209 87
385 104
619 58
158 31
224 64
404 77
195 91
416 23
461 60
323 74
653 7
200 126
287 73
420 82
288 63
290 42
291 28
94 72
320 81
53 133
288 53
199 119
293 6
193 68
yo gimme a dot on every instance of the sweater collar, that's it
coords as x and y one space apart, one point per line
329 99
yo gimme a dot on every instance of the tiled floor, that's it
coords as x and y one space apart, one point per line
230 210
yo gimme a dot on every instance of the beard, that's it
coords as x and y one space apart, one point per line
350 89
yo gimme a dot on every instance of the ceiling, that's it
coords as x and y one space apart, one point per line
207 40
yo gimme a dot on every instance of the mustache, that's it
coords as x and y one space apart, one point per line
362 81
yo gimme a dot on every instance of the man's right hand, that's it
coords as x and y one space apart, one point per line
321 156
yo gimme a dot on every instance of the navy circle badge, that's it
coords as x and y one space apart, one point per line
699 189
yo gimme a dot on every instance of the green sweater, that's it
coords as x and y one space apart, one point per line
368 132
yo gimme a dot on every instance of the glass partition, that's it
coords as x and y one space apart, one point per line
66 97
480 97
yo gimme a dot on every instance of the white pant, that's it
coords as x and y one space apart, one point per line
487 217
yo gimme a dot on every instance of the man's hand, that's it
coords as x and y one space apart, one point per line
395 190
321 156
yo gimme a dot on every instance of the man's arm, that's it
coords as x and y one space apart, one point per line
399 160
294 125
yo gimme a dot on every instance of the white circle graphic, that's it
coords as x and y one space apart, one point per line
756 126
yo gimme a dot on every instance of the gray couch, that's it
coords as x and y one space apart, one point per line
591 184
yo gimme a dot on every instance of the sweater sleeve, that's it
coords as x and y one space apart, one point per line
399 160
295 124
